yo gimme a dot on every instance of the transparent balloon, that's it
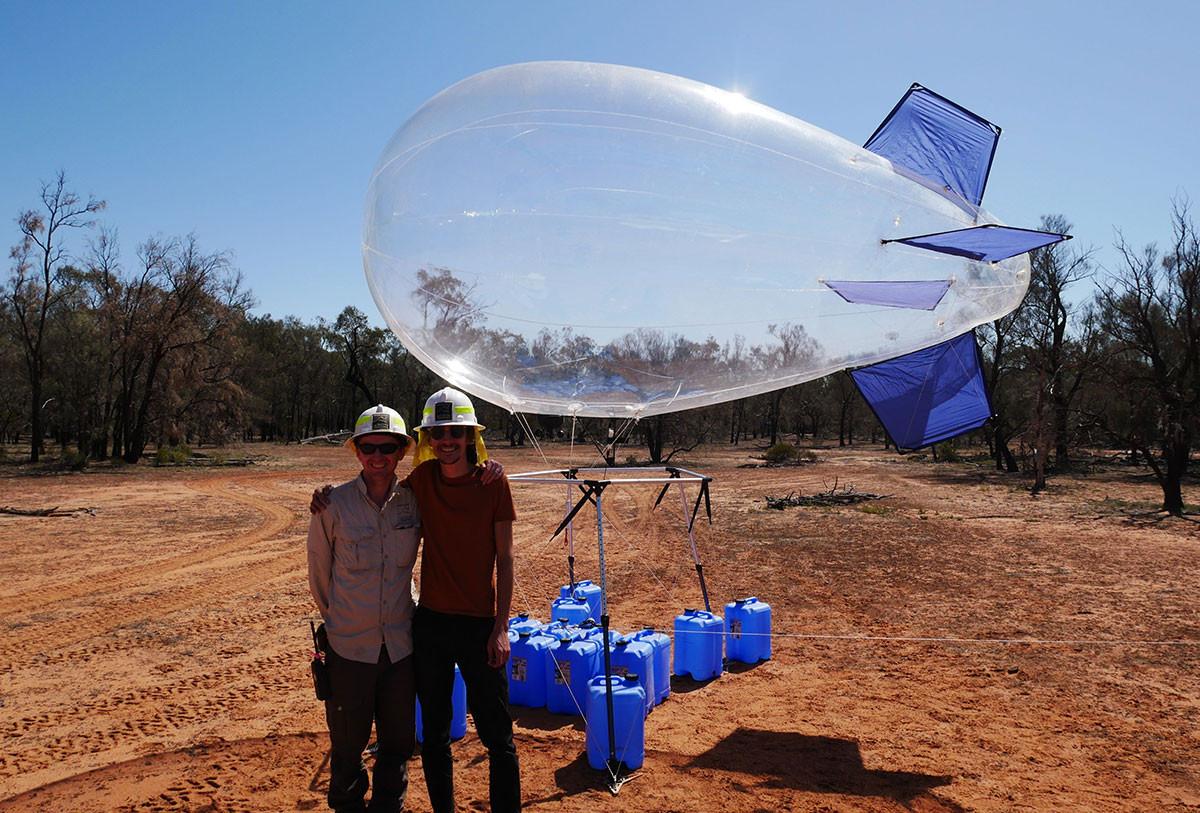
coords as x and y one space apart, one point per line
595 240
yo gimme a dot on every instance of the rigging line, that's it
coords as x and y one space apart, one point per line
928 639
571 450
525 427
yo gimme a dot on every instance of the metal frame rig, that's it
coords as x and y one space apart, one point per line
590 484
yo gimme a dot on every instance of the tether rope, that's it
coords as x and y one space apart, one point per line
930 639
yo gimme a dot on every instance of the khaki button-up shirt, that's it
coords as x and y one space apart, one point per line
360 563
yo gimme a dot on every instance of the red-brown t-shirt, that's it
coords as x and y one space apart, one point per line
458 557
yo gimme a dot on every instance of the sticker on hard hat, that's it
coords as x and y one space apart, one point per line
381 422
443 411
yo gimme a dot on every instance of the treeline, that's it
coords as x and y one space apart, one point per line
110 353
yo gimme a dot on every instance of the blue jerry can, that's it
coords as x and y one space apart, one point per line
633 657
629 721
572 610
590 629
523 623
458 704
661 642
698 637
748 630
527 686
588 592
569 666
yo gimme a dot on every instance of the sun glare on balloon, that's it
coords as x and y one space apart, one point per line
731 100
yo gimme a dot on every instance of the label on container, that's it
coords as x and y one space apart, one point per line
735 629
519 669
623 671
562 675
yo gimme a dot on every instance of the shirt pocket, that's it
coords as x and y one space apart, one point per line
358 548
401 543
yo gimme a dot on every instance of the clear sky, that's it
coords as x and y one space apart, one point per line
256 125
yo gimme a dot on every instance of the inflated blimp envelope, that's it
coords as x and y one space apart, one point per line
597 240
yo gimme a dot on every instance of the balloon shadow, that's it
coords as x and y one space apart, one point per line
816 764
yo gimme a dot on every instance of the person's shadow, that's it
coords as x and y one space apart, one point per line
816 764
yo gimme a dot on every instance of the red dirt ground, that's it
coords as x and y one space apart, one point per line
154 654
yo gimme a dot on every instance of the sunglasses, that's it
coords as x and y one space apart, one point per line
456 432
382 448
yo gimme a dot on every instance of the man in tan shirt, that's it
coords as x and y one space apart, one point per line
361 553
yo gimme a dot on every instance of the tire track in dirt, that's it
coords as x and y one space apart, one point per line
245 615
218 487
202 777
34 639
141 715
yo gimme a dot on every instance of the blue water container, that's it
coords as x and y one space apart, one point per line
590 629
523 623
629 722
573 610
661 642
561 630
632 657
698 636
513 637
458 705
569 667
527 686
748 630
588 592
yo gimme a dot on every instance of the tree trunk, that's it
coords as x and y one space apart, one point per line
776 402
35 419
1176 454
654 437
1062 460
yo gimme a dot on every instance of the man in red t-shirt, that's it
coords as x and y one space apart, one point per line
465 597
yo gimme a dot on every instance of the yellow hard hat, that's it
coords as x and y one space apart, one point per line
448 407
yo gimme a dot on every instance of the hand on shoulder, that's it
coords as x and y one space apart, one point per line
320 499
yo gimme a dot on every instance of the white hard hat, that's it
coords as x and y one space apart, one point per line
449 407
379 420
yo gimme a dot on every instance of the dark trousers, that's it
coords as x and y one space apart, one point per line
439 642
363 693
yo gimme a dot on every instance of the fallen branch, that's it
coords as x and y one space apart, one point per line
846 495
46 512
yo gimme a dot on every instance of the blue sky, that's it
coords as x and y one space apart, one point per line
256 125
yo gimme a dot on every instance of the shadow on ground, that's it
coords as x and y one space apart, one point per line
814 764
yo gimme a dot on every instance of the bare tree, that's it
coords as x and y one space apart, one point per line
1059 363
1151 308
795 345
39 282
183 304
359 345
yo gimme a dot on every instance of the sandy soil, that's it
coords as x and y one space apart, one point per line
154 650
